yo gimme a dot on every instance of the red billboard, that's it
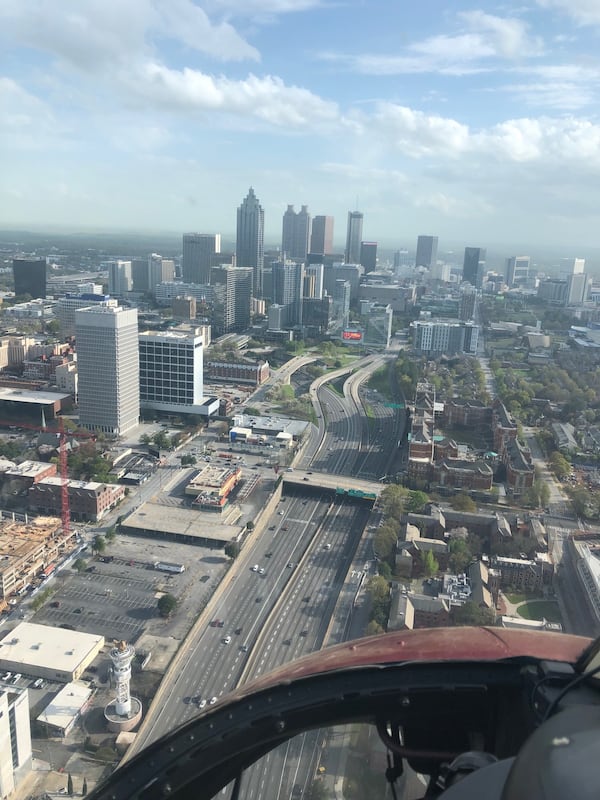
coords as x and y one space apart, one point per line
352 336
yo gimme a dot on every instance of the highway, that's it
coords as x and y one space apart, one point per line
266 616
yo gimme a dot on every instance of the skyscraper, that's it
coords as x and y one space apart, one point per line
160 270
29 273
426 251
232 290
295 233
108 368
198 252
120 279
171 371
250 240
473 264
353 237
321 239
287 289
517 270
368 256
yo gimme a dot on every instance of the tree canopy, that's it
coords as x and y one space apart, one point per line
166 605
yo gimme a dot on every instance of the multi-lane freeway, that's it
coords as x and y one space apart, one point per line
278 601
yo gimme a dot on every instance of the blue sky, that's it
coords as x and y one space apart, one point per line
474 121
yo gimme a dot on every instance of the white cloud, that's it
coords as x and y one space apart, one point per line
561 95
262 98
96 34
564 142
506 36
584 12
251 8
25 120
484 40
418 134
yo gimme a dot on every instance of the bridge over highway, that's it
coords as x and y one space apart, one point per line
341 485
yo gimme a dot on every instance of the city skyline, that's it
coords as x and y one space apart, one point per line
160 117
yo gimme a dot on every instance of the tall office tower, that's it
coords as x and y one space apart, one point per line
368 256
473 265
108 367
572 266
140 278
199 250
184 308
67 306
287 289
29 273
250 239
314 281
466 306
15 736
321 238
427 247
160 270
295 233
341 301
119 278
577 288
232 291
353 237
517 270
171 371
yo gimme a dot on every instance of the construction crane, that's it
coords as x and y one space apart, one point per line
65 509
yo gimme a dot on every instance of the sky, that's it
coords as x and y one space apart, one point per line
477 122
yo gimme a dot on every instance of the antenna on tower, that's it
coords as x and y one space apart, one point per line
356 206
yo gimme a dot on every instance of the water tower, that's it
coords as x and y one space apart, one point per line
125 711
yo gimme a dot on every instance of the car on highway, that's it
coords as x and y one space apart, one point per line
244 648
226 639
255 568
238 631
280 513
269 554
78 611
201 704
284 528
217 623
261 571
212 701
258 599
291 564
304 632
327 546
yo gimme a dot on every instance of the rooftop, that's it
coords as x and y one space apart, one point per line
34 646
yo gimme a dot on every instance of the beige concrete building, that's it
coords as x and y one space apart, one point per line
55 654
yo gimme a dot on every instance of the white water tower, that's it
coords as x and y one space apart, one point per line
121 656
125 711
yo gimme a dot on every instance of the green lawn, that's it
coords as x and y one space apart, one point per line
540 609
521 597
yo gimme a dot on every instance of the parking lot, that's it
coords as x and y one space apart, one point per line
119 599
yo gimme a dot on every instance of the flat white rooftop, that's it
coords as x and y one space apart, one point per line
67 704
38 646
23 396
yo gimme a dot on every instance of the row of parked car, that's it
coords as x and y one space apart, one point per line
8 677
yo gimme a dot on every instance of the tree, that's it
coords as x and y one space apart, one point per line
232 550
460 555
166 605
374 628
385 541
188 460
462 502
111 534
80 565
429 563
99 544
416 502
70 786
84 788
471 614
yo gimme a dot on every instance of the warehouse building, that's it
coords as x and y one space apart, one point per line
42 651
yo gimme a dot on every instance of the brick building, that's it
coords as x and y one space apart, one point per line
88 501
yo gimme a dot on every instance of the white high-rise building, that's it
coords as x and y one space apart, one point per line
171 371
108 368
120 280
15 738
68 305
